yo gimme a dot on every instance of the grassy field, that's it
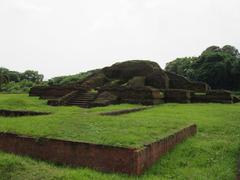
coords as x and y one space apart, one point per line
86 125
211 154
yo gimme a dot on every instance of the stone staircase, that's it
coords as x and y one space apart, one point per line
82 99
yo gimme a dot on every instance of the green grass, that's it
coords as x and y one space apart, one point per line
86 125
211 154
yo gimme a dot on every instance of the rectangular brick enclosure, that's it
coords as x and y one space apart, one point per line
104 158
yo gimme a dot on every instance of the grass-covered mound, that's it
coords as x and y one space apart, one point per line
211 154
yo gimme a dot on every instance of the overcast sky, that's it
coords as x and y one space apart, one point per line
59 37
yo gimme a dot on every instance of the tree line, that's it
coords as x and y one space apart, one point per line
16 82
219 67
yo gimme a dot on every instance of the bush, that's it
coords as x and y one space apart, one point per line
18 87
72 79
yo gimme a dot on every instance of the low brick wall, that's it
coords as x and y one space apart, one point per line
211 99
10 113
141 95
177 96
125 111
152 152
52 92
100 157
214 96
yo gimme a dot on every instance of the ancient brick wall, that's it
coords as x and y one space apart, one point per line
11 113
125 111
215 96
51 92
100 157
144 95
180 82
177 95
152 152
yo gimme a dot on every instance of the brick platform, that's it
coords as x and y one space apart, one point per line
99 157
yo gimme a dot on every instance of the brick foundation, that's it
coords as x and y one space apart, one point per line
11 113
99 157
177 95
125 111
52 92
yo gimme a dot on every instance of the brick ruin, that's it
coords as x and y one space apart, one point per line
132 161
124 111
11 113
137 82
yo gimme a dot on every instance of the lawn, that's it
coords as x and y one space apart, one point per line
211 154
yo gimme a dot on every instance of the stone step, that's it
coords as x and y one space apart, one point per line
87 99
84 94
82 99
90 97
77 104
79 101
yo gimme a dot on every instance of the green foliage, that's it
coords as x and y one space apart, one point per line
18 87
32 76
4 79
14 76
16 82
181 66
71 79
219 67
211 154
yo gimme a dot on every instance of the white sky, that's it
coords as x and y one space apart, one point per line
59 37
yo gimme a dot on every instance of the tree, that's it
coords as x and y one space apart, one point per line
219 67
71 79
33 76
4 79
181 66
14 76
16 82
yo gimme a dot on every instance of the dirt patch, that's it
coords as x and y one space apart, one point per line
125 111
10 113
104 158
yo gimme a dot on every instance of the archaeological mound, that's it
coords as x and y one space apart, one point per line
136 82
